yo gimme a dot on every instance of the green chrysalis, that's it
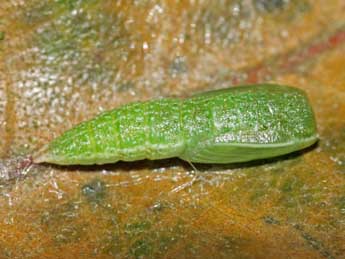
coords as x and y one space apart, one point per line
224 126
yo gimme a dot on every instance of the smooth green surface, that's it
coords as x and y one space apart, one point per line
232 125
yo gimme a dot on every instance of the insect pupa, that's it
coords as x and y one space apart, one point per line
236 124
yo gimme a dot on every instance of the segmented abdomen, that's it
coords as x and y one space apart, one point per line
132 132
147 130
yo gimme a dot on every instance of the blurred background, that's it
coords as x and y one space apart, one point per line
64 61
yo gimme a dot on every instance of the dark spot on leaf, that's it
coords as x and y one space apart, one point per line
270 220
314 243
125 86
178 66
95 191
270 5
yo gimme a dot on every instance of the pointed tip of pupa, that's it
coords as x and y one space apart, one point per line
42 155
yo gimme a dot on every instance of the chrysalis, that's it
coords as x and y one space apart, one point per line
224 126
